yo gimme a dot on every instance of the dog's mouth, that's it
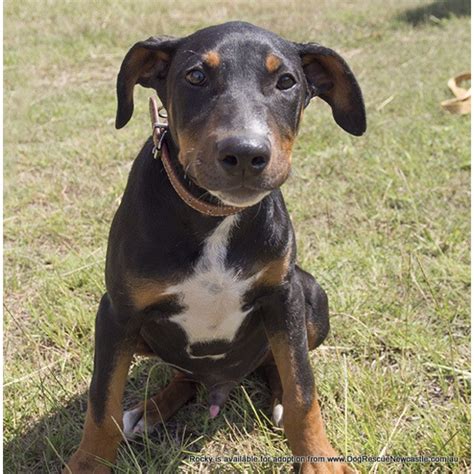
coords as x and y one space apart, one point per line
240 196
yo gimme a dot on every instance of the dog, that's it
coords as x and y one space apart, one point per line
200 267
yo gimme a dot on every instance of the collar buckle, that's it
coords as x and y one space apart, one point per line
160 133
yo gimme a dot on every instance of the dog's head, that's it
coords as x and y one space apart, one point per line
235 95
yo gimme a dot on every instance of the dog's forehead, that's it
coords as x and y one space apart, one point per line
238 41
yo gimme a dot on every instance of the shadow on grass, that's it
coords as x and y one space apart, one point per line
42 446
436 11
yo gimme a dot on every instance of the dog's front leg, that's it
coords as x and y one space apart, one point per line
114 345
284 320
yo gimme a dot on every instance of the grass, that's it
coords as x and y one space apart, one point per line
382 221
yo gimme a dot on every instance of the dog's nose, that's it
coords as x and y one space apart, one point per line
243 155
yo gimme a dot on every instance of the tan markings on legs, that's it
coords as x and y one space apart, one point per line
303 424
212 58
307 431
168 401
272 63
284 359
100 440
274 273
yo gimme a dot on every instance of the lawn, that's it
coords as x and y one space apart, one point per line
383 222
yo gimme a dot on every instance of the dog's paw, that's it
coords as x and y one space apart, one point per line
134 423
82 463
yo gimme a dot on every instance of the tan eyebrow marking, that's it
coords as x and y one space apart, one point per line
212 58
272 62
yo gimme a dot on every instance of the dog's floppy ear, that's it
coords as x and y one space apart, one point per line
146 64
330 78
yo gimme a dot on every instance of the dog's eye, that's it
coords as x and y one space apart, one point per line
287 81
196 77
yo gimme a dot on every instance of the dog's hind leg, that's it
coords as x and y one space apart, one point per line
270 371
316 309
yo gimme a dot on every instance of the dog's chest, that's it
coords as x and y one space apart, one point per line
212 297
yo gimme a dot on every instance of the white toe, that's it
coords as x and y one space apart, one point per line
277 415
140 427
130 419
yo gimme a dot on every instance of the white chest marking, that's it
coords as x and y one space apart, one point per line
213 294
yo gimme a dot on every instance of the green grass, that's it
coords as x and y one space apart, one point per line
382 221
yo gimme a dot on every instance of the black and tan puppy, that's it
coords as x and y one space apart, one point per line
215 296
